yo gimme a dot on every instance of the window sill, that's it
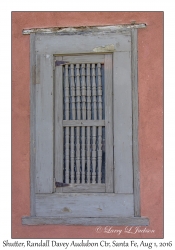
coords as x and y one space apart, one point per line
86 221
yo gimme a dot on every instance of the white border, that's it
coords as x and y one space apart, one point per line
5 93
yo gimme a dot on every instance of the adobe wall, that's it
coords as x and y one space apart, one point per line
150 81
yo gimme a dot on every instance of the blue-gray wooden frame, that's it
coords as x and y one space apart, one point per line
135 153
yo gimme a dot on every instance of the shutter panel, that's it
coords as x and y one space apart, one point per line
44 124
83 161
83 139
78 112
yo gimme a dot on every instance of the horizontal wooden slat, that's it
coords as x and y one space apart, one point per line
84 59
84 188
76 44
81 123
85 205
84 29
110 221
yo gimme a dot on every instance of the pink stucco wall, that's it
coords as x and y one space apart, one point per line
150 81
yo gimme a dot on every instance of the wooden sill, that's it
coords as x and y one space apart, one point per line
87 221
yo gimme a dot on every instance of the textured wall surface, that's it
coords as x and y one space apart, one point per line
150 81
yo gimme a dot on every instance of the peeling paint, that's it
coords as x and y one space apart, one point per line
65 209
72 30
67 30
106 48
99 209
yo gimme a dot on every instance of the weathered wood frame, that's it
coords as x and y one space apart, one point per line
120 50
106 59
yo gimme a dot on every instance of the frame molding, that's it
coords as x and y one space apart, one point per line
137 220
135 114
32 124
68 30
117 221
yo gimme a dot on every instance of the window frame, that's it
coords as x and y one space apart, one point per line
114 31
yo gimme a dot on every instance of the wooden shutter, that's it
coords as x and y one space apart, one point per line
69 130
55 123
83 123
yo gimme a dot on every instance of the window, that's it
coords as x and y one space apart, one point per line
84 150
82 161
